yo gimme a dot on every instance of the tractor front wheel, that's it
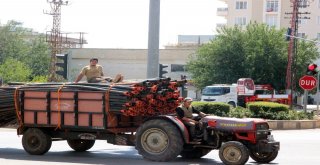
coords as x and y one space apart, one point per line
234 153
263 157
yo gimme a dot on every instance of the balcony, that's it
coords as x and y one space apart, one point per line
222 11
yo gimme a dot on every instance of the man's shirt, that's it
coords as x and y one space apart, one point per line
92 71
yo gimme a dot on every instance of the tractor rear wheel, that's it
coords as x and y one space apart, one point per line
80 145
159 140
36 142
233 153
263 157
195 153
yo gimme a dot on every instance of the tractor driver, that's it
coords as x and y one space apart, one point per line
185 111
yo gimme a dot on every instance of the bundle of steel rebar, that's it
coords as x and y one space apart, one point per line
7 107
139 98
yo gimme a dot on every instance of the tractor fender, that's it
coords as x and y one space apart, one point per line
175 121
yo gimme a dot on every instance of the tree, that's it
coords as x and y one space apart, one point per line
38 58
21 44
13 70
257 51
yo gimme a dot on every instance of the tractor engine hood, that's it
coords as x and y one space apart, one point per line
226 123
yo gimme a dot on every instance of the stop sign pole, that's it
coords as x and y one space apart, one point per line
317 94
307 83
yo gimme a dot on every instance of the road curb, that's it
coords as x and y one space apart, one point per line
293 124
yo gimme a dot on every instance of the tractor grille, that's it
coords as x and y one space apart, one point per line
262 131
262 126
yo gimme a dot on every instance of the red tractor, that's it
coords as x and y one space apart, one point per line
165 137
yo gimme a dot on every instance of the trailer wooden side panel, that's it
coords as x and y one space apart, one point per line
71 109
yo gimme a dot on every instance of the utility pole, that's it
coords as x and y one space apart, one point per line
293 45
153 39
55 38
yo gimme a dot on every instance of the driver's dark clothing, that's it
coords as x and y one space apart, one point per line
187 112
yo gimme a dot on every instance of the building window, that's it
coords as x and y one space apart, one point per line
272 5
241 5
303 4
178 68
301 35
318 20
240 21
318 3
271 20
302 21
318 36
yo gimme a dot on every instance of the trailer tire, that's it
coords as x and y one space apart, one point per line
36 142
234 153
263 157
196 153
80 145
159 140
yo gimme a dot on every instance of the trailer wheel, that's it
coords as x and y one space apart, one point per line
158 140
80 145
233 153
196 153
36 142
263 157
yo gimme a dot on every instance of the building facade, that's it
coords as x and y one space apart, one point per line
273 13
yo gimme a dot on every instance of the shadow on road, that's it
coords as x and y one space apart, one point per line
109 157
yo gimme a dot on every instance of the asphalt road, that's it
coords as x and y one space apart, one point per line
297 147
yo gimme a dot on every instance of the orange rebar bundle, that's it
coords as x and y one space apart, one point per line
152 97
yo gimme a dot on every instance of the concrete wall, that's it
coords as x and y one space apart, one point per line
293 124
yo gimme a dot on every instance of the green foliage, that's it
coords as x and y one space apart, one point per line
38 58
276 111
13 70
267 107
265 110
39 79
240 112
214 108
258 51
22 45
292 115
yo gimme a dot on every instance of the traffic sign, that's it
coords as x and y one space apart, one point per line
307 82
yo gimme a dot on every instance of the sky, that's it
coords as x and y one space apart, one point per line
118 23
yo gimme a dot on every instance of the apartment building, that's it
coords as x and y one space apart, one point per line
273 13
